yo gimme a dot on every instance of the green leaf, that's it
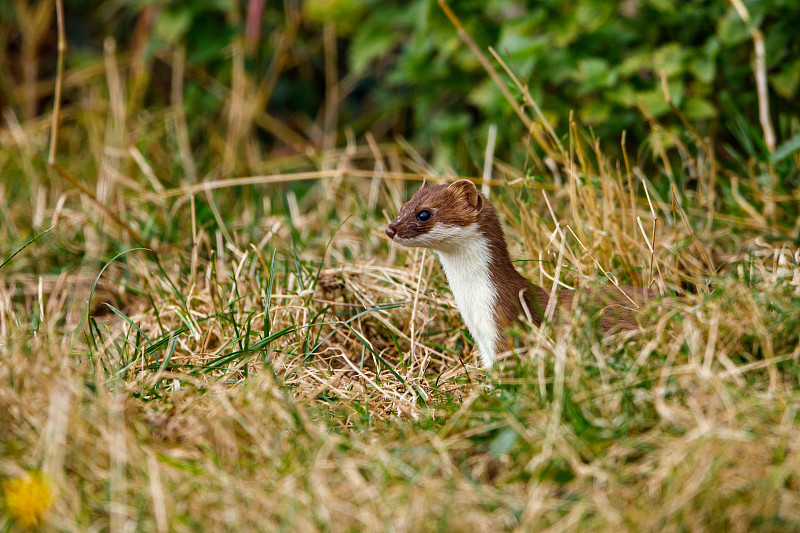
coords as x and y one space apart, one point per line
595 113
622 94
731 29
595 73
665 6
786 149
173 25
669 59
369 43
345 13
656 103
519 40
699 109
634 62
787 80
504 442
704 68
485 94
224 6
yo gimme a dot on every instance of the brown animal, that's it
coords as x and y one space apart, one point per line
461 225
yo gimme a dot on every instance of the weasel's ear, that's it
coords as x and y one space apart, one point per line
469 192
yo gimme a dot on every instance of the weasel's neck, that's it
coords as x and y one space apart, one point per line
486 286
516 295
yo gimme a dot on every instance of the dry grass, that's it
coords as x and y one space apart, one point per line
257 357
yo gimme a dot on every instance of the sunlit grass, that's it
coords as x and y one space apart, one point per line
263 360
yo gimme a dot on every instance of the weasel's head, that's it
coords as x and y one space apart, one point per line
438 216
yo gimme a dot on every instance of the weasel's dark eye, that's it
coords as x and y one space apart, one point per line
424 216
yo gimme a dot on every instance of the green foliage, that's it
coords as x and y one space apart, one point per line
411 74
602 59
605 60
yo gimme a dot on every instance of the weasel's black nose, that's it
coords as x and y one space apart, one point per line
390 232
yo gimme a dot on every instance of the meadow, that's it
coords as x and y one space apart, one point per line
198 333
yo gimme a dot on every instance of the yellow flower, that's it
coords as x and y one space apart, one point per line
27 499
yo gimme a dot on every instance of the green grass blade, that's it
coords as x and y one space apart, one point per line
325 250
263 343
124 317
164 339
268 304
786 149
97 279
170 353
355 317
36 238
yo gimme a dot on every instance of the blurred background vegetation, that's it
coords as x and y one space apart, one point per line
306 73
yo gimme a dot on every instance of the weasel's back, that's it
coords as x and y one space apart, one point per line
613 310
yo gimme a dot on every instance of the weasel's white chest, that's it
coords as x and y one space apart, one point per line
467 270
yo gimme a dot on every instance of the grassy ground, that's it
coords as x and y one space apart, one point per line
235 354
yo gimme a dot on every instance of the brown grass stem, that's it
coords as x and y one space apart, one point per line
523 88
484 61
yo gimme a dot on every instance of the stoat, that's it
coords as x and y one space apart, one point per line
460 224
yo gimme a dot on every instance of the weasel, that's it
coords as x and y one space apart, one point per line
462 226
